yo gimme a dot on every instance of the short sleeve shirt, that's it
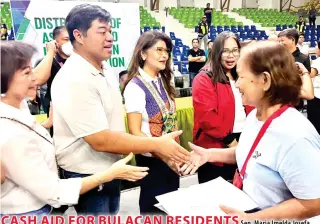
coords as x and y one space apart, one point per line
285 162
85 101
196 66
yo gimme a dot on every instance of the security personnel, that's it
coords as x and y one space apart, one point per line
301 25
4 32
203 30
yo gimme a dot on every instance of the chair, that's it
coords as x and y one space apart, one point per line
184 57
147 28
186 48
220 29
179 44
307 38
172 36
313 44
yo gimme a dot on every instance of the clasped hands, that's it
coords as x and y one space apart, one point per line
179 159
196 158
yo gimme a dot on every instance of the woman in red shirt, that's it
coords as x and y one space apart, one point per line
216 105
218 110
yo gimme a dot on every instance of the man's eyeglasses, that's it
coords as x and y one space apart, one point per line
235 51
162 51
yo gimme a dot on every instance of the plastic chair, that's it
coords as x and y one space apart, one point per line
147 28
178 43
307 38
184 57
313 44
185 49
176 49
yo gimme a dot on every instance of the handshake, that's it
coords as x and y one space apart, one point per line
179 159
197 157
169 151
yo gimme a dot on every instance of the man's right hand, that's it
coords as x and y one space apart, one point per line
167 147
171 164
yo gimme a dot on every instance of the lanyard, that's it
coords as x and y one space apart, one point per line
238 177
168 116
156 95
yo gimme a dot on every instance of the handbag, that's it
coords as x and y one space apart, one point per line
34 107
238 176
31 129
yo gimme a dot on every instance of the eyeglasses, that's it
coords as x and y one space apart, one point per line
162 51
226 52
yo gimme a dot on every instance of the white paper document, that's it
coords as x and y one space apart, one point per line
204 199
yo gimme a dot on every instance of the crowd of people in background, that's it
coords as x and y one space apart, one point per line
239 89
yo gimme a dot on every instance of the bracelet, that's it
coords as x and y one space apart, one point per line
304 73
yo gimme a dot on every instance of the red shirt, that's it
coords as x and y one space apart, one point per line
214 112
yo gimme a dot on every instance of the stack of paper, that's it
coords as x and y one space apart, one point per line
204 199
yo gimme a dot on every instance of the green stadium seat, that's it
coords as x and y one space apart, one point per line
268 17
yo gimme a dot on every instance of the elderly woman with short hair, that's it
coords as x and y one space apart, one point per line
278 154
